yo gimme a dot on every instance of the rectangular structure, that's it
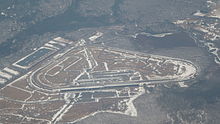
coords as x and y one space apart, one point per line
2 81
60 39
59 43
34 57
51 46
11 71
5 75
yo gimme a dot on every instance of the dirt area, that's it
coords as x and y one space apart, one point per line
42 110
23 84
14 93
54 70
5 104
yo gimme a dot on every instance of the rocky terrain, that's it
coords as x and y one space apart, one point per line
185 29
